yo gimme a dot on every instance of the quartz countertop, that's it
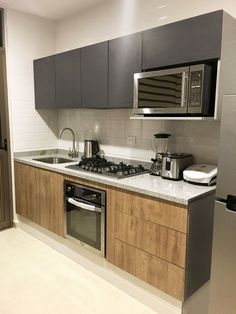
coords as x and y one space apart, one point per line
175 191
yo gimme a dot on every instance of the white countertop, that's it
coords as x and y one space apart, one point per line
175 191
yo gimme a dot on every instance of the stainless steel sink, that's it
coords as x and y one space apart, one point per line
53 160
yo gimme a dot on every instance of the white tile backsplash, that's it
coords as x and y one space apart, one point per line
112 127
28 37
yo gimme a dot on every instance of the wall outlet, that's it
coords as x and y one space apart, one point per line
131 140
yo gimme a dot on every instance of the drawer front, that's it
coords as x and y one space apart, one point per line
157 240
151 269
161 212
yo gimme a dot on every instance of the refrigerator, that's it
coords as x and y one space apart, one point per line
222 295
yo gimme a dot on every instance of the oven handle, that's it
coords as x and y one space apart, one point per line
184 95
92 208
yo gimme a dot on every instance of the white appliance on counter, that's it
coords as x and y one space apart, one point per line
203 174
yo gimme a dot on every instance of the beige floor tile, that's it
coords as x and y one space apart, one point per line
35 279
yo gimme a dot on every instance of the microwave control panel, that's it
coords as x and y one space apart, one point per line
195 88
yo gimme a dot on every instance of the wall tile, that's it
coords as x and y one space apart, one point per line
111 128
28 37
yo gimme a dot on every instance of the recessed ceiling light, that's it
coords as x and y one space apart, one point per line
163 6
163 17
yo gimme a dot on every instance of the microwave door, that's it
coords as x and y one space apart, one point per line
161 92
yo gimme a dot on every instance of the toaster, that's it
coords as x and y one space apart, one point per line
173 165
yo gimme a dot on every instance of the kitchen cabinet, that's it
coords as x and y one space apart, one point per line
94 75
68 79
44 83
160 242
101 75
186 41
39 197
125 58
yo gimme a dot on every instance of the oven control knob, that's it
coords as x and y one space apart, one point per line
69 189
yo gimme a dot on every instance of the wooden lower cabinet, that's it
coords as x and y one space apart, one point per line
152 238
151 269
40 197
165 244
147 238
161 242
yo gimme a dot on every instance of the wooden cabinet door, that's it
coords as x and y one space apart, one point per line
68 79
39 197
50 204
44 83
125 58
168 244
94 75
147 238
190 40
151 269
26 191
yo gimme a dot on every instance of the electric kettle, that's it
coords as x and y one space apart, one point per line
91 148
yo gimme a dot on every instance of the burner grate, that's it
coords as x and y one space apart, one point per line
109 168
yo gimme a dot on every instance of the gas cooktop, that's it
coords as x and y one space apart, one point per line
108 168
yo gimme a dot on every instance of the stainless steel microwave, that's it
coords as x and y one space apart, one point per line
176 91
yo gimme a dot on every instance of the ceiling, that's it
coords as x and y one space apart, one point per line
51 9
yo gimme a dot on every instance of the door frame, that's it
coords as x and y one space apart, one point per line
6 175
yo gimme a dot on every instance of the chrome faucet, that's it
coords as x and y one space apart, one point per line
72 152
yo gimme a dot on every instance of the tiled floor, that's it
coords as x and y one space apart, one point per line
35 279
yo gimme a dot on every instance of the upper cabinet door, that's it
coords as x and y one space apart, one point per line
94 75
44 83
125 59
68 79
190 40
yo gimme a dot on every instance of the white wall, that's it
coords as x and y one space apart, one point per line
114 18
28 37
117 18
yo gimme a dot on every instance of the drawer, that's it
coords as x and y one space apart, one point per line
166 243
165 213
151 269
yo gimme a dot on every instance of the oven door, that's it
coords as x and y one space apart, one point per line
85 223
161 92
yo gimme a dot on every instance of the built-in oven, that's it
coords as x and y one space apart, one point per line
85 209
176 91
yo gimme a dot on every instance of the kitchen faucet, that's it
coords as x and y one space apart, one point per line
72 152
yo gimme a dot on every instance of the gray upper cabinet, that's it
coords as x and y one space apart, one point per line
101 75
94 75
190 40
125 59
68 79
44 83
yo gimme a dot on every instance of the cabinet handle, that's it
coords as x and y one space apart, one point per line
3 146
231 203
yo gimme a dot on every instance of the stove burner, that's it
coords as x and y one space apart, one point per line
109 168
